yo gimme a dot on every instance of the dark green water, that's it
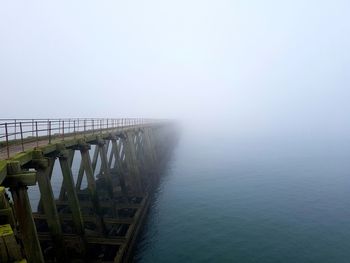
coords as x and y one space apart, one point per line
252 200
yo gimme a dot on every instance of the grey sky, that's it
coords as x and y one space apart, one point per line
258 65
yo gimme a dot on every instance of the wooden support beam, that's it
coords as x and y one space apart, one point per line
150 158
119 165
80 175
26 224
121 146
13 167
119 153
107 145
142 151
110 158
146 150
70 157
9 248
3 170
87 166
5 208
103 204
71 153
132 166
105 169
125 250
95 157
71 194
92 219
50 209
39 162
149 140
23 178
89 240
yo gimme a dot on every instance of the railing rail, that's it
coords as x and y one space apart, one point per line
16 133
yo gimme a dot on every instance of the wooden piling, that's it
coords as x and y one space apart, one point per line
44 170
28 233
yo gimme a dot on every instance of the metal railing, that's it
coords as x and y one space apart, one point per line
16 134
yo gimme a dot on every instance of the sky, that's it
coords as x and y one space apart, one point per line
254 66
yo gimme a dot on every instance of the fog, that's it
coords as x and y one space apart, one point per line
252 67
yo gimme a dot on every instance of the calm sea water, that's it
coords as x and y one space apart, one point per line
251 200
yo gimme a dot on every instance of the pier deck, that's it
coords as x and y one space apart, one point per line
107 170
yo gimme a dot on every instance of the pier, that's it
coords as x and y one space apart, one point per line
78 190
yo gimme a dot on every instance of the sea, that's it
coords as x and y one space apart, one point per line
251 199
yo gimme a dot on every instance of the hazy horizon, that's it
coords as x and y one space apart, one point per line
272 67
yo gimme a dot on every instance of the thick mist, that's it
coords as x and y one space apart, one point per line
241 67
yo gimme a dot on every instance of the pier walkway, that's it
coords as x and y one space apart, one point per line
104 170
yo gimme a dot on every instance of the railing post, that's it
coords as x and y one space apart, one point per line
7 141
20 127
84 127
59 128
74 129
49 130
63 129
93 126
36 134
15 130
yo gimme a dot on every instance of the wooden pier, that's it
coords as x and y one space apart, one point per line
105 169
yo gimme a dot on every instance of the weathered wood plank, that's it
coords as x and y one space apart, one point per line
92 219
25 220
